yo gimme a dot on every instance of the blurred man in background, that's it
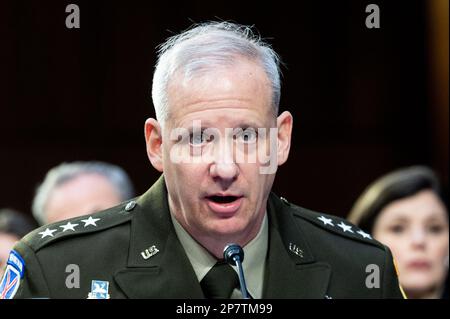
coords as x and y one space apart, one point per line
13 226
80 188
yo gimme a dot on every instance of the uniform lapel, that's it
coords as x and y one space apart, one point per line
163 271
291 270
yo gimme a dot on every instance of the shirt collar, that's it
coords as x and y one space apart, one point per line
255 253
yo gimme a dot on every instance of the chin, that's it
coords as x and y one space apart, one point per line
228 227
418 285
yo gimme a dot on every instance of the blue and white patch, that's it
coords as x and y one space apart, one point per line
15 269
10 283
17 262
99 290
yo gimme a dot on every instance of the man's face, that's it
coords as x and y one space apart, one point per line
82 195
212 193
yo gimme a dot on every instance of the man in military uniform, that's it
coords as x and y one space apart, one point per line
216 91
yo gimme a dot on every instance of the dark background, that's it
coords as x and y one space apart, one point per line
365 101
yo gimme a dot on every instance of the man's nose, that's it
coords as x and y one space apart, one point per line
224 166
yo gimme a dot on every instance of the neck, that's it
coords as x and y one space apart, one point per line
214 243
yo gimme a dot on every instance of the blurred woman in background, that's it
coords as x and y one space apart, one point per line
404 211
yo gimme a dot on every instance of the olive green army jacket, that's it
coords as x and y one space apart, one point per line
132 251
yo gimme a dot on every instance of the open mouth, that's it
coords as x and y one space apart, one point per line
223 199
224 205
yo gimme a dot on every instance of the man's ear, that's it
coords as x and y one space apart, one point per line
153 140
284 124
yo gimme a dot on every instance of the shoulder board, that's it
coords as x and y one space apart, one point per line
333 224
77 226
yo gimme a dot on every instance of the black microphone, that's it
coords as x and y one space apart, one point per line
234 255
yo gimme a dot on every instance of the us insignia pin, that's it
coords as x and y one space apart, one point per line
149 252
99 290
295 249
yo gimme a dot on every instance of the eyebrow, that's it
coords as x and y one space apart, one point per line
405 217
402 219
246 124
435 217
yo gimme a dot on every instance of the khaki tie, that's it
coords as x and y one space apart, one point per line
220 281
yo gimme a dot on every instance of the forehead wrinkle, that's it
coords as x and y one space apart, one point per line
220 100
200 101
221 81
227 115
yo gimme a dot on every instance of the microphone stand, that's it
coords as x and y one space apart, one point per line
234 255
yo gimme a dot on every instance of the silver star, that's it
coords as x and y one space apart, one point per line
325 221
364 234
90 221
68 226
346 228
47 232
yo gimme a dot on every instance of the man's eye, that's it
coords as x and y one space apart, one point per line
196 139
199 139
248 135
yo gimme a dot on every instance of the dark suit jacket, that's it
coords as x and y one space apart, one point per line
307 258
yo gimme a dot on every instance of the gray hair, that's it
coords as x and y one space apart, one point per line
206 46
67 171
